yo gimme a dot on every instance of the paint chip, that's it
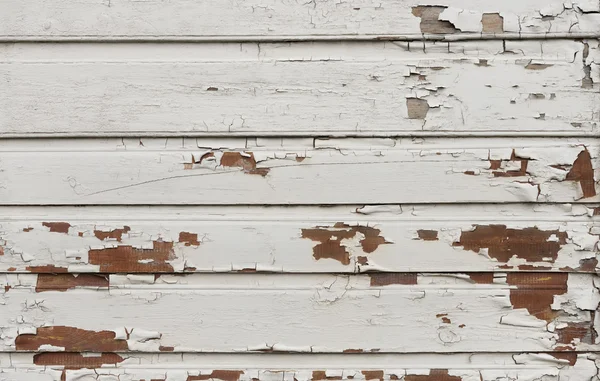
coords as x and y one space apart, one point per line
531 244
124 259
417 108
492 23
71 339
583 171
430 22
330 240
386 279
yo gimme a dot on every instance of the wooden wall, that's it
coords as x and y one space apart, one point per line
288 190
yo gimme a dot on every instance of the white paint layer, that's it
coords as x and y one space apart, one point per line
344 171
380 89
305 313
185 18
286 239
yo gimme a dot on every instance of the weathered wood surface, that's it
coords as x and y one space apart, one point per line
324 89
300 313
342 239
276 367
29 19
298 171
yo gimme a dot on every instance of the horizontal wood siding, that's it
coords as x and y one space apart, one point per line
344 239
299 171
322 313
285 190
251 19
350 89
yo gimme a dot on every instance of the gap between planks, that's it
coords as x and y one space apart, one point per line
301 38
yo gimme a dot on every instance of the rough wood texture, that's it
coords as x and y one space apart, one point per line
362 89
302 313
298 171
408 367
304 239
186 18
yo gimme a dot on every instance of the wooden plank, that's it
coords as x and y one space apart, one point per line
344 171
300 313
342 239
323 89
127 18
248 367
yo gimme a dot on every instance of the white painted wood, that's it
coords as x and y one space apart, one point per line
306 313
467 367
302 89
344 171
184 18
229 238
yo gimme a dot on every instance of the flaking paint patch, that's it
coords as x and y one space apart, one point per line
71 339
496 165
492 23
76 360
189 239
482 278
373 374
386 279
535 292
430 20
318 375
587 265
434 375
583 172
116 234
64 282
245 161
330 240
224 375
123 259
427 235
57 227
571 357
47 269
502 243
417 108
573 332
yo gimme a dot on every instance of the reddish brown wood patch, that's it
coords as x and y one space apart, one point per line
497 166
583 171
189 239
330 240
535 292
581 331
225 375
531 244
318 375
123 259
373 374
64 282
76 360
57 227
71 339
386 279
428 235
434 375
482 278
47 269
245 161
112 234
